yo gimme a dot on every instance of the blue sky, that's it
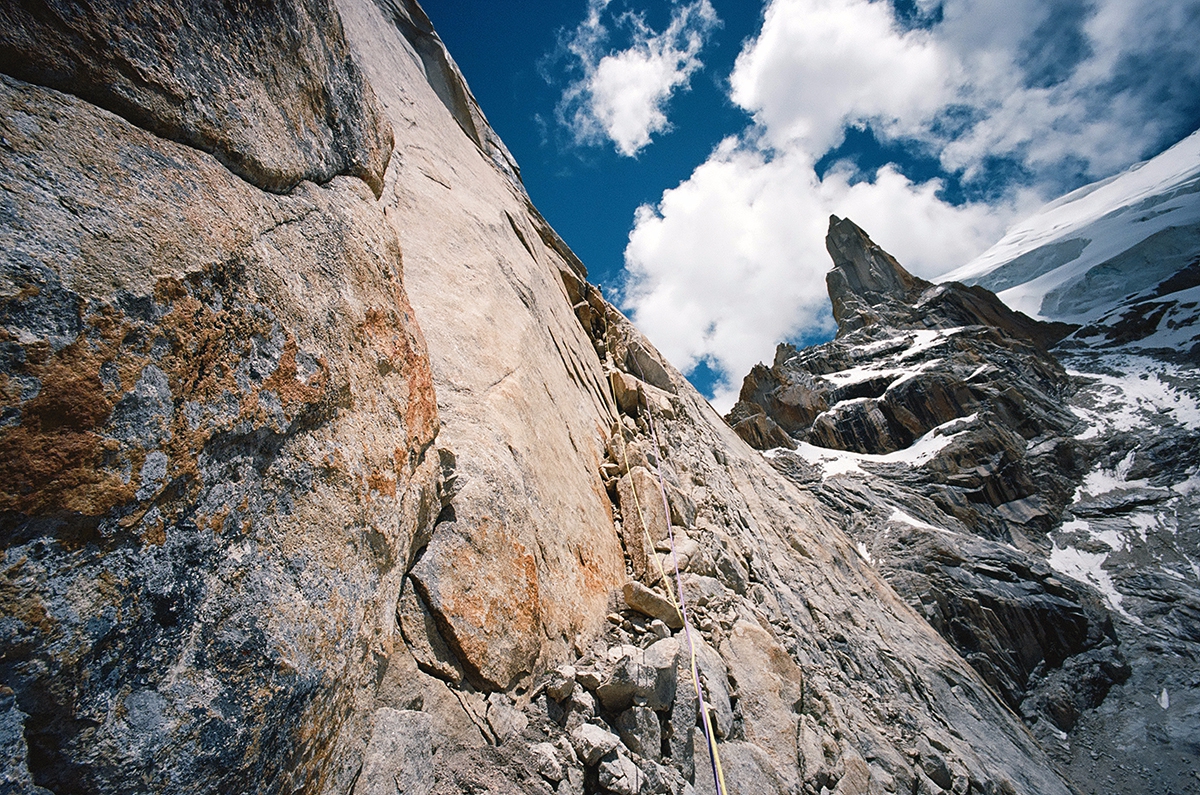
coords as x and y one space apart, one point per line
588 192
691 151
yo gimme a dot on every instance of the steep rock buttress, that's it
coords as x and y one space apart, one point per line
261 534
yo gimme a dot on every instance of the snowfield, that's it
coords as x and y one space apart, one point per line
1079 255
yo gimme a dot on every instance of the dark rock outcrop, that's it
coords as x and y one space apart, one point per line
952 402
867 286
864 276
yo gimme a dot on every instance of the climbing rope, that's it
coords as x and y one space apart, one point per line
678 604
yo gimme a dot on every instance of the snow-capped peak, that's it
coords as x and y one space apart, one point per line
1079 255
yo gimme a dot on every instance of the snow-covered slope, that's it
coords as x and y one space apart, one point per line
1085 253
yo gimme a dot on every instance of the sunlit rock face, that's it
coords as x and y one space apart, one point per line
326 470
219 414
270 89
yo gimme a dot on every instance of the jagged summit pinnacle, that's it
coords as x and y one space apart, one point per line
869 287
863 276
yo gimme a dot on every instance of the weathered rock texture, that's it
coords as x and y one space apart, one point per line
213 478
216 452
1000 497
262 535
949 370
269 88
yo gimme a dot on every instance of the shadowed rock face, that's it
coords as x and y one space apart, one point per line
951 370
269 88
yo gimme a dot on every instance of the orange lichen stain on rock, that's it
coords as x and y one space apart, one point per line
204 343
314 739
421 417
22 606
207 345
54 460
381 483
154 532
61 458
593 584
45 472
494 603
396 335
400 463
214 522
294 394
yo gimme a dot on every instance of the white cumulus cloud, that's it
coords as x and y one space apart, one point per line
1019 100
732 261
818 63
622 94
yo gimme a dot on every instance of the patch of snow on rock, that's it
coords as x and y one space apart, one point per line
1089 567
1134 391
841 462
924 339
900 516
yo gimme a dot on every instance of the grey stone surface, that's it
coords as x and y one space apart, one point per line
211 621
296 104
561 682
644 521
620 775
491 623
424 639
639 730
546 760
399 756
505 719
640 676
592 742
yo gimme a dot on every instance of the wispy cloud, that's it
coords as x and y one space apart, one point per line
621 93
1018 100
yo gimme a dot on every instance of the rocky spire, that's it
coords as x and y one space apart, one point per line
868 287
864 278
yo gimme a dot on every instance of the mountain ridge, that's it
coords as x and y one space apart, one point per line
358 486
975 470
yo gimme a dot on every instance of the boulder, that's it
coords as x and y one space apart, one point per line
645 677
747 770
639 729
591 742
224 533
561 682
490 623
619 775
769 684
424 639
546 762
649 603
714 680
505 719
628 391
